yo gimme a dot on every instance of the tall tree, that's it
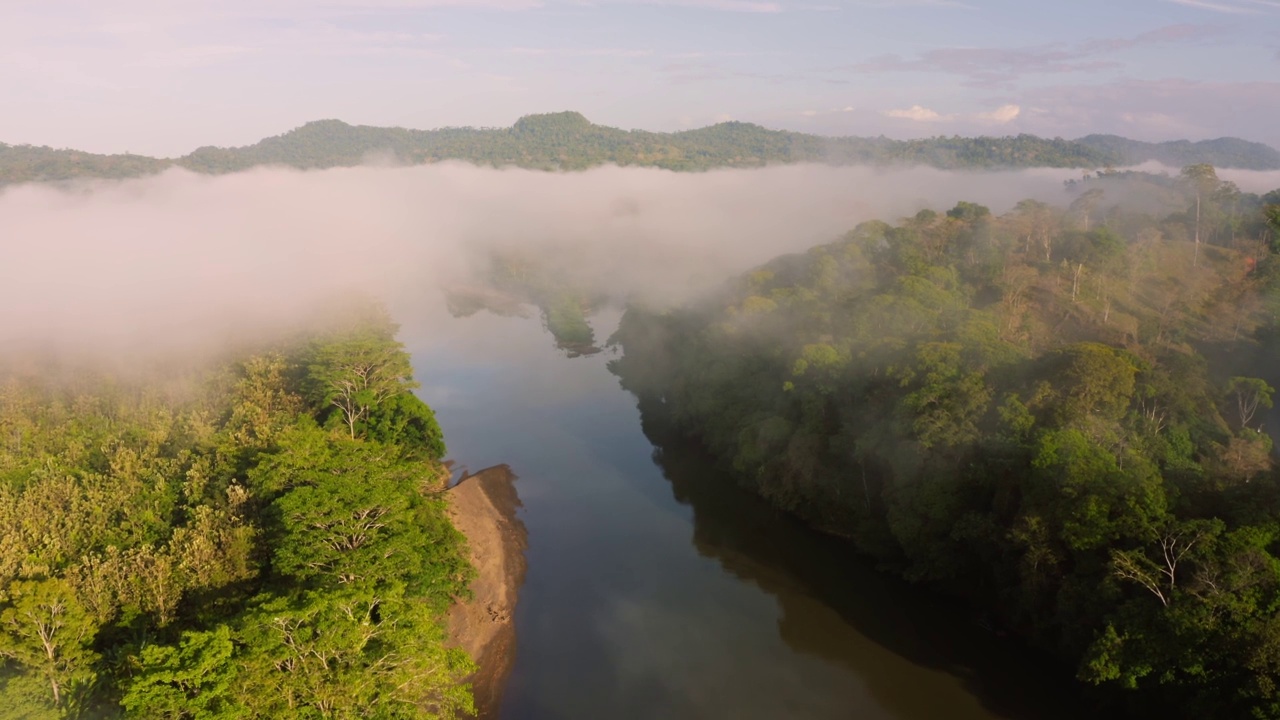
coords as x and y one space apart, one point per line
356 374
1203 180
1085 205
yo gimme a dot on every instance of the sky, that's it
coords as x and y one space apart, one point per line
162 77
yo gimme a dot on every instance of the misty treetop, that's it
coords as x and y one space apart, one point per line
261 538
1055 413
568 141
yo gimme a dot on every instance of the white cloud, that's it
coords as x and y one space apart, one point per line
1003 114
918 114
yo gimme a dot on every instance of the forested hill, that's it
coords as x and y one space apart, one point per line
28 163
1222 152
568 141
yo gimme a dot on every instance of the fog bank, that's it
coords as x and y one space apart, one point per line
178 255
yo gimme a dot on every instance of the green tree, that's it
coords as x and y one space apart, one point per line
49 634
349 653
356 375
405 421
948 399
1249 394
1093 379
357 515
192 680
1094 499
355 527
263 405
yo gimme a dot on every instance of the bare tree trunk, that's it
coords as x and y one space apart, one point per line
1195 261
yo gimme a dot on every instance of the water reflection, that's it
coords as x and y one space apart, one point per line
835 606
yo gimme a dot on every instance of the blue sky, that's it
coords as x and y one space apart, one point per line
164 76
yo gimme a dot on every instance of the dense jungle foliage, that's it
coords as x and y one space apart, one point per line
261 538
568 141
1056 414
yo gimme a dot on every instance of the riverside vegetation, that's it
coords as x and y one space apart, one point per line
263 537
1054 414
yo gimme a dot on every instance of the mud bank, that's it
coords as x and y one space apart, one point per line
483 507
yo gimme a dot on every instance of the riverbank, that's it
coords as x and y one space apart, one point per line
483 508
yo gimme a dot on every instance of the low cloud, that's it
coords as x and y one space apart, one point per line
918 114
1002 115
832 111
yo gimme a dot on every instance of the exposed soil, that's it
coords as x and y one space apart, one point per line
483 507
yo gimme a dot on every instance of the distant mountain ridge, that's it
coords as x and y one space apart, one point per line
568 141
1222 152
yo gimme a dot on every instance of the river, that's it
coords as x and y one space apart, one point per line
658 590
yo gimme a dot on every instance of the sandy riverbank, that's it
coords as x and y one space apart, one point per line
483 507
